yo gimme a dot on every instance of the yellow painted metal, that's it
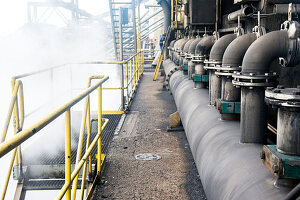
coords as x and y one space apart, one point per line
127 94
86 110
68 153
13 142
17 88
99 128
8 174
82 161
157 67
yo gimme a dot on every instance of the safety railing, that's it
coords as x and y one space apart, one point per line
131 72
13 143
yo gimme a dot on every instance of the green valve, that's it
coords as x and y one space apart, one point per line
230 107
185 67
282 165
197 78
237 107
227 107
178 62
205 78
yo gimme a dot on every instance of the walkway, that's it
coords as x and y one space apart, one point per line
174 176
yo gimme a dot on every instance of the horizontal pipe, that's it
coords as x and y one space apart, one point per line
228 169
284 8
244 12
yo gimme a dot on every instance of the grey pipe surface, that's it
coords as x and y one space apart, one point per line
234 53
284 8
187 45
218 49
193 45
264 50
204 46
244 12
253 115
216 54
167 13
228 170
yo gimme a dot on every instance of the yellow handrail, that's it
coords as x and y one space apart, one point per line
16 140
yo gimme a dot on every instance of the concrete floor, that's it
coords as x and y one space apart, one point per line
174 176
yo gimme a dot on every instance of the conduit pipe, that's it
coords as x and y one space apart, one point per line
201 53
184 57
167 13
215 59
190 55
256 75
232 60
169 68
228 169
244 12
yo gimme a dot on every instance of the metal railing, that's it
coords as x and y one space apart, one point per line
22 135
134 67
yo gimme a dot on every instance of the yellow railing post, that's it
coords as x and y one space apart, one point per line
99 128
68 152
131 78
8 174
127 98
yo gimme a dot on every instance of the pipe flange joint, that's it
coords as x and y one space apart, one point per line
254 80
211 64
293 55
221 70
281 96
198 59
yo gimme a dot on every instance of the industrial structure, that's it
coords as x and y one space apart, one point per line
232 67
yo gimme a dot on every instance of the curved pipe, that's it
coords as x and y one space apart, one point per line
216 55
244 12
228 169
187 45
234 53
204 46
217 51
167 13
193 45
264 50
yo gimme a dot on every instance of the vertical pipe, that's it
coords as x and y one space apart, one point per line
99 128
68 152
134 25
215 87
253 124
120 34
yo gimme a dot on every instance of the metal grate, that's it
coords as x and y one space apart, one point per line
42 158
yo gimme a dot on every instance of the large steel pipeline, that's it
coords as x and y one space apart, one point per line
169 68
227 168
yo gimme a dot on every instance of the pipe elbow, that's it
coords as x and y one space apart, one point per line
234 53
264 50
204 46
218 49
187 45
193 46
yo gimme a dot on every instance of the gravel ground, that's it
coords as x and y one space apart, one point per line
174 176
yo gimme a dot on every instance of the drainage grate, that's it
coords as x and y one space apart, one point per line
147 156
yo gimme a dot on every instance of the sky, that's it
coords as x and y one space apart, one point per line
13 13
